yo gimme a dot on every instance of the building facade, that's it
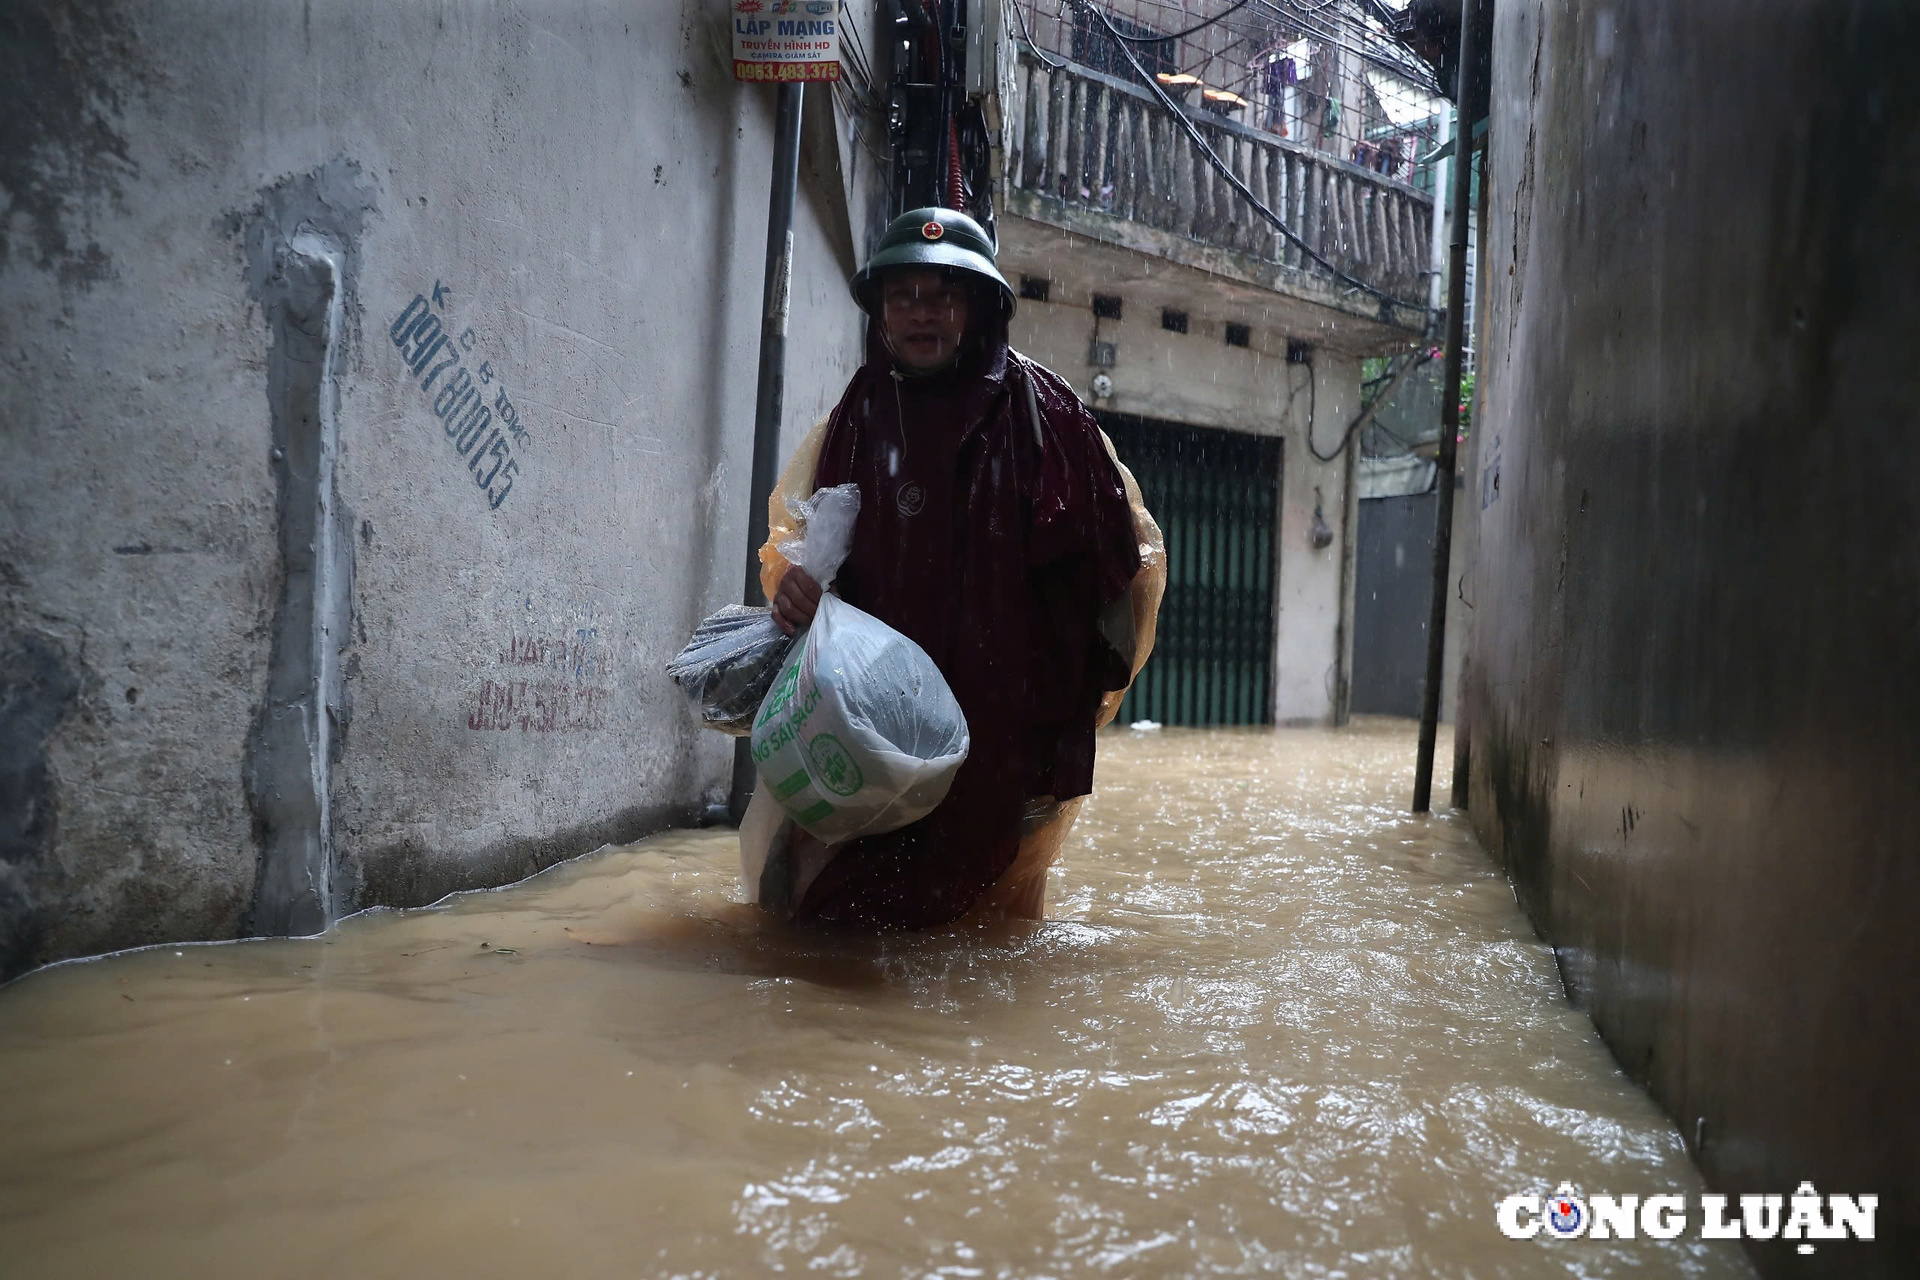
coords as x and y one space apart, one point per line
1187 319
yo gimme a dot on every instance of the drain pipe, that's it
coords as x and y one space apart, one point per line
775 296
1465 94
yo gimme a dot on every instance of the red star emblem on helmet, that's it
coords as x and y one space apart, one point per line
932 230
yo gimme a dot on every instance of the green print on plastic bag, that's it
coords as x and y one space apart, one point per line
782 693
859 734
838 773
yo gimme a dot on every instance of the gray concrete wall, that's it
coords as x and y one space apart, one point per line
218 211
1196 378
1692 694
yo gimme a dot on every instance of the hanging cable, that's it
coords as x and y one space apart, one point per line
1366 415
1051 64
1405 448
1313 27
856 113
1222 16
943 151
1233 179
1305 18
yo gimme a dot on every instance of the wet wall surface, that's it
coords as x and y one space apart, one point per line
1693 694
241 691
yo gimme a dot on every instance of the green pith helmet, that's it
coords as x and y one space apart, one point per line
931 237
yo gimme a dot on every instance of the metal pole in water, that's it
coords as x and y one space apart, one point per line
1462 175
777 292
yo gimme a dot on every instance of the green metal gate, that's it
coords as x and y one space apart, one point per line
1216 495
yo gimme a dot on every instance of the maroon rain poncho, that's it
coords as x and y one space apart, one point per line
994 548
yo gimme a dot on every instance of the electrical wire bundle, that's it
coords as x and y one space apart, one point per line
1125 44
1363 28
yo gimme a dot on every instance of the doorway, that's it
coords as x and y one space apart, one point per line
1216 495
1392 598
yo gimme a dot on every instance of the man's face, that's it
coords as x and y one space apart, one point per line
924 314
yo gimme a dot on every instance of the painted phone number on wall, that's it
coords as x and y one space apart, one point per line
481 434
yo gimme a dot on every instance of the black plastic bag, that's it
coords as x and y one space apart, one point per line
729 664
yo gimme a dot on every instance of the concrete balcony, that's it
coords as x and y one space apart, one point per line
1094 157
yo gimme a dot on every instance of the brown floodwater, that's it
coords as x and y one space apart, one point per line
1273 1025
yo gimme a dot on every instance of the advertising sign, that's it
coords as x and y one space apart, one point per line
788 40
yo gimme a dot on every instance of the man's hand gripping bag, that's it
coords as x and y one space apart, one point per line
735 655
860 734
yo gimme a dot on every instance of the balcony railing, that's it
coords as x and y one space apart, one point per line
1097 143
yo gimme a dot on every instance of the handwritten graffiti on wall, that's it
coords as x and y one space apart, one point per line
538 706
482 431
579 656
554 682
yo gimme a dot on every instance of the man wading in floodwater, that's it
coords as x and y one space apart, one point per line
996 532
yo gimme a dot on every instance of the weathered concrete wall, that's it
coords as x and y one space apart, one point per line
577 195
1196 378
1693 695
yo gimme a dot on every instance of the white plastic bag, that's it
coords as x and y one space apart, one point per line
763 828
826 532
735 654
860 734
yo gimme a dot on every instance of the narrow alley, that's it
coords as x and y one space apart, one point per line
1274 1025
1023 639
